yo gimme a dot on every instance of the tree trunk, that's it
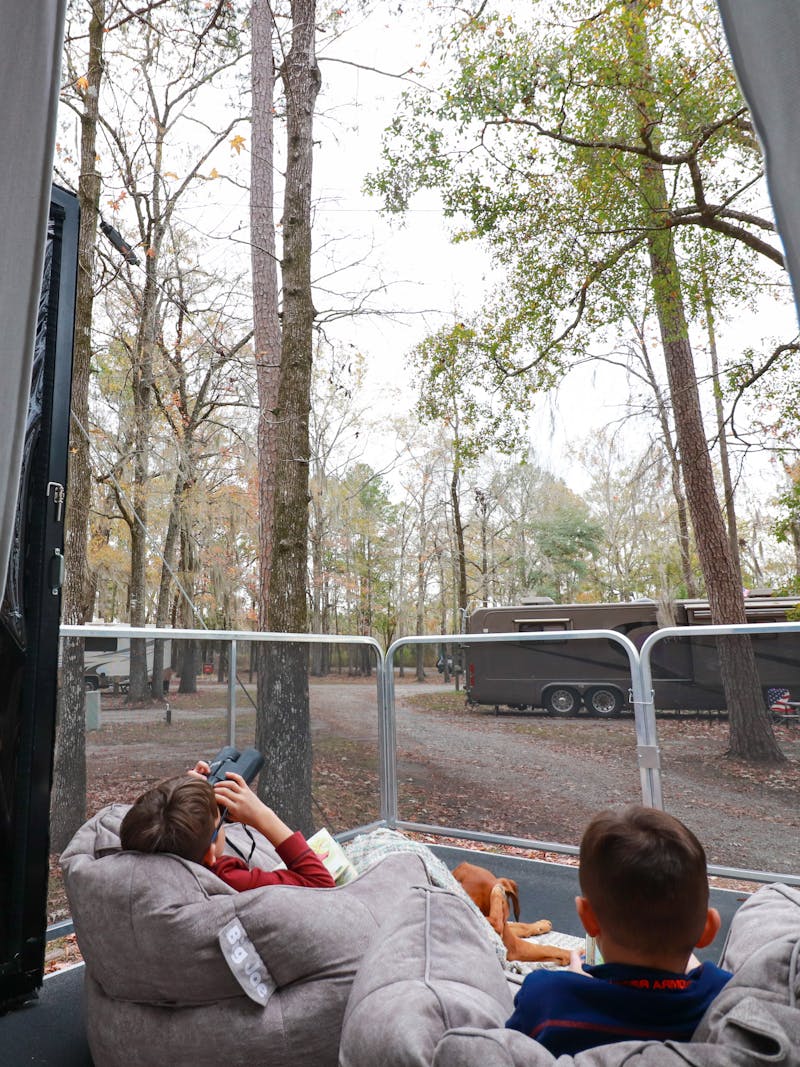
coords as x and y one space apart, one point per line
316 538
395 611
458 526
192 659
266 326
283 729
724 459
419 650
165 586
142 376
263 255
443 589
422 549
190 666
751 735
483 505
68 800
684 540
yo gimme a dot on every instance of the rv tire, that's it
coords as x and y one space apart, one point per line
604 701
562 700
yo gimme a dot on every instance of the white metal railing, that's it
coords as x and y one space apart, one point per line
645 731
231 638
645 667
647 750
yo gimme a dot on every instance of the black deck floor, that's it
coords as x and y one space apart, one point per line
52 1030
548 891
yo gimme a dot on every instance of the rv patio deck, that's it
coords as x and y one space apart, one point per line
51 1031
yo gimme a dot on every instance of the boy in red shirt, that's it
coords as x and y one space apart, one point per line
184 816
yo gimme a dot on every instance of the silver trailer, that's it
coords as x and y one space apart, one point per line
107 661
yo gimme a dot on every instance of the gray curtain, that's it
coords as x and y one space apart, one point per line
764 39
31 39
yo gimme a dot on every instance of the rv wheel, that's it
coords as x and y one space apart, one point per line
562 701
604 701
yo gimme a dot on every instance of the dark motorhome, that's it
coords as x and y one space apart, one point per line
565 676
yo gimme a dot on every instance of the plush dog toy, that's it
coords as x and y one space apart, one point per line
492 896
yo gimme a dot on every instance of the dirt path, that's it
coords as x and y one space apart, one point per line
541 778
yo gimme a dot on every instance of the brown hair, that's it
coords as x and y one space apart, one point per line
178 816
644 874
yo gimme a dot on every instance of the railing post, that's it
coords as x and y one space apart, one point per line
388 744
232 693
648 753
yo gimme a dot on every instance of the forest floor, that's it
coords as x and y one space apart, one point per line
520 774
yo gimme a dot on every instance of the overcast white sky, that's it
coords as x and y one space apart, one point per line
417 253
428 277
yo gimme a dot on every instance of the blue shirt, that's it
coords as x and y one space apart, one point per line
569 1012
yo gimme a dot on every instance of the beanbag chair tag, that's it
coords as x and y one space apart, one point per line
246 965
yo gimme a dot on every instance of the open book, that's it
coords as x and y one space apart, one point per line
332 855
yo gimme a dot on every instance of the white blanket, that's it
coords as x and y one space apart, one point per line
366 849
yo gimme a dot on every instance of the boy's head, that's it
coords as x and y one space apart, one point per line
643 876
179 815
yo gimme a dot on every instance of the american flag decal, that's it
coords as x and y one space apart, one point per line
778 701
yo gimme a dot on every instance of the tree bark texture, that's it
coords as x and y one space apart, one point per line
422 571
68 799
724 458
142 381
168 554
264 265
317 652
751 735
684 540
142 376
283 730
191 660
458 526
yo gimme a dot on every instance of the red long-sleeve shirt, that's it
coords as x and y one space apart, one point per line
303 865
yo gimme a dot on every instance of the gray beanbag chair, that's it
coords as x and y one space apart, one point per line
759 1010
430 999
431 967
160 990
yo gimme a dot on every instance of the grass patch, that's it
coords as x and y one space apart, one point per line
448 702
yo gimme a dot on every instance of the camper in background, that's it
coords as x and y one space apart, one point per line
565 676
107 661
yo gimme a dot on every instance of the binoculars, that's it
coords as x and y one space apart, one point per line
247 763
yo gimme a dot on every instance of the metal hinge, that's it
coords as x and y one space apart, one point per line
649 757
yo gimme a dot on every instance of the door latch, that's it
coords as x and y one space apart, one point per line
59 496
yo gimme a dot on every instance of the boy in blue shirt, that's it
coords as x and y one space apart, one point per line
644 898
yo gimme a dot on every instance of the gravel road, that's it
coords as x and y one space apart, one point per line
541 778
